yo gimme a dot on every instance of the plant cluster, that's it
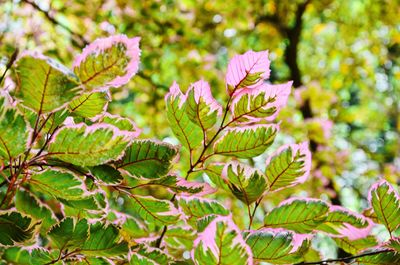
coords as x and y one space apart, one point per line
81 187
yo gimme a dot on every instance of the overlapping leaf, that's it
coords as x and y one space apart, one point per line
261 103
30 205
199 207
154 210
343 222
385 258
221 243
188 133
355 246
84 145
69 233
246 183
14 133
300 215
124 124
89 105
277 246
45 85
247 70
104 241
14 228
246 142
201 108
386 204
108 62
148 159
288 166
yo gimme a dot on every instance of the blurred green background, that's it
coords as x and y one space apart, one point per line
342 55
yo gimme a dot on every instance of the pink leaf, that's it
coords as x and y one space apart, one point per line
247 70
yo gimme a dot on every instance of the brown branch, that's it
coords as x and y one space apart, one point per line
345 260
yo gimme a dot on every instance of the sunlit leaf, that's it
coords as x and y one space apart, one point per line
89 105
148 159
246 142
247 70
221 243
288 166
246 183
14 228
355 246
300 215
108 62
45 85
84 145
14 133
386 204
69 233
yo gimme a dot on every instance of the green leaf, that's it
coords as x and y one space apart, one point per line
201 108
260 104
154 210
289 166
181 237
104 241
16 255
58 184
132 228
221 243
198 207
214 172
386 204
300 215
137 259
148 159
154 254
45 85
277 246
246 183
84 145
189 134
385 258
30 205
40 256
394 244
355 246
341 221
89 105
14 132
108 62
69 233
107 174
124 124
14 228
246 142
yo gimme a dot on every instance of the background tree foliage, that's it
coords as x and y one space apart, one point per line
343 57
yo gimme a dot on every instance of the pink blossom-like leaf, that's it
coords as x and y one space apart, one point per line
247 70
108 62
288 166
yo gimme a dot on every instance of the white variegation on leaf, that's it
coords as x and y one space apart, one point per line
188 133
386 204
288 166
92 145
246 142
261 103
108 62
221 243
247 70
44 84
201 107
